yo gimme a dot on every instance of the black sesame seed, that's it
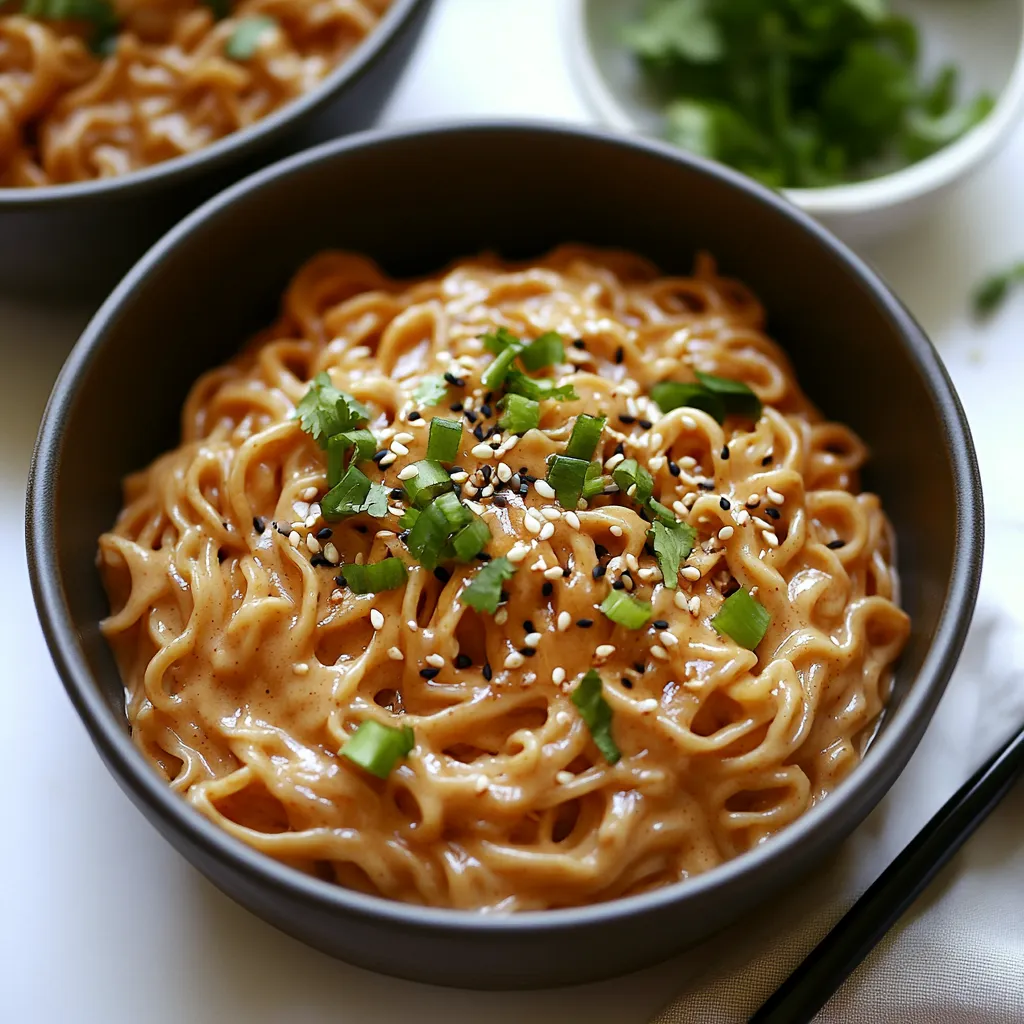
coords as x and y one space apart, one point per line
317 560
527 652
618 585
524 490
528 478
485 410
486 472
429 673
584 623
486 672
500 500
627 420
627 683
340 580
463 661
767 460
706 485
456 407
725 451
724 503
620 354
259 524
548 588
442 574
601 551
579 343
772 513
504 596
484 557
488 397
599 571
325 534
835 545
404 535
478 432
673 468
397 493
645 424
470 415
639 666
380 455
456 382
620 448
566 573
414 416
528 626
659 624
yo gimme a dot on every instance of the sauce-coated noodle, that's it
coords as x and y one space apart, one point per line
247 667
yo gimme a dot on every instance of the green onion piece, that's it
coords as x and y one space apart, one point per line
672 544
363 443
596 713
627 611
245 40
495 374
378 748
347 496
521 414
444 440
567 477
484 590
409 517
743 618
431 479
325 411
500 340
630 473
471 540
739 399
456 515
595 481
431 391
547 350
428 536
672 394
517 383
586 433
375 577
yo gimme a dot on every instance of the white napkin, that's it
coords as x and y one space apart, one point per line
958 954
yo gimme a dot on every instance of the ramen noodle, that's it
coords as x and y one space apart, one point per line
92 89
404 612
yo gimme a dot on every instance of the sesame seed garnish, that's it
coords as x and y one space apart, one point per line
615 531
482 784
300 668
517 552
694 605
376 619
482 451
725 533
659 652
409 472
411 625
725 451
547 531
300 508
558 676
770 539
312 544
398 448
388 459
531 524
544 489
429 673
646 706
584 623
501 616
539 566
514 660
773 513
442 574
396 510
723 503
564 621
656 463
774 496
486 671
554 573
460 478
532 638
599 571
690 572
835 545
563 778
753 501
395 654
435 659
504 471
680 600
604 650
632 562
572 519
614 460
550 513
742 517
668 639
547 588
293 539
413 416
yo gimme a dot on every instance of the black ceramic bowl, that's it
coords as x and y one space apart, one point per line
414 200
76 241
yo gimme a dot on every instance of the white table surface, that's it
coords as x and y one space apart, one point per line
101 921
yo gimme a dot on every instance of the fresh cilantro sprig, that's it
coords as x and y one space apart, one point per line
324 411
484 590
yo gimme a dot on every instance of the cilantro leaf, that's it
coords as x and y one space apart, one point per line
672 545
597 714
431 391
325 411
517 383
484 590
677 28
993 291
355 493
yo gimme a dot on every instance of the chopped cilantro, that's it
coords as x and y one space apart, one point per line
484 590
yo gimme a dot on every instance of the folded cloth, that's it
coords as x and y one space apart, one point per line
957 955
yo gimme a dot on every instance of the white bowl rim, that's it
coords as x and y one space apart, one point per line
886 191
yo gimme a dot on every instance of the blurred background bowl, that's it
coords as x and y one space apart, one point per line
984 38
520 189
75 241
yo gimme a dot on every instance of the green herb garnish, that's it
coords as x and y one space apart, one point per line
325 411
378 748
431 480
444 440
625 610
517 383
362 445
567 478
521 414
993 291
630 476
739 398
672 545
99 14
597 714
586 433
717 396
471 539
431 391
355 493
743 618
547 350
375 577
245 40
484 591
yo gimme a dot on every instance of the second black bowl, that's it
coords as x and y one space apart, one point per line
414 200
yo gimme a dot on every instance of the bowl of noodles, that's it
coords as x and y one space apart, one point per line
118 117
519 574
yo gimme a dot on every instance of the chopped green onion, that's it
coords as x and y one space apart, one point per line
428 536
547 350
738 397
517 383
672 394
595 481
672 545
363 443
500 340
743 618
409 517
484 590
378 748
627 611
245 40
567 478
521 414
597 714
325 411
431 479
431 391
375 577
629 474
586 433
495 374
471 540
456 514
444 440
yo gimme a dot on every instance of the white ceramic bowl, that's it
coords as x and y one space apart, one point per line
984 38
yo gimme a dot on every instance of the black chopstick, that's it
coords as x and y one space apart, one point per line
834 959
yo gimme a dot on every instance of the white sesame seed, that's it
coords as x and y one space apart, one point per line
554 573
659 652
563 717
563 778
631 407
687 462
558 675
667 638
836 641
388 459
694 605
753 500
376 619
690 572
604 650
689 422
656 463
645 707
531 639
615 531
312 543
774 496
725 533
648 574
632 562
742 517
398 448
310 493
762 553
396 510
504 471
564 621
300 668
411 625
476 507
482 784
384 534
657 440
404 438
614 461
310 521
544 489
418 423
679 508
550 513
300 525
632 491
531 524
689 499
435 661
301 509
482 451
517 552
501 616
409 472
770 539
680 600
539 566
461 477
572 519
487 491
395 654
547 531
314 509
514 660
359 558
293 539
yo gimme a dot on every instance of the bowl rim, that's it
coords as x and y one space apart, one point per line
884 762
880 193
237 144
